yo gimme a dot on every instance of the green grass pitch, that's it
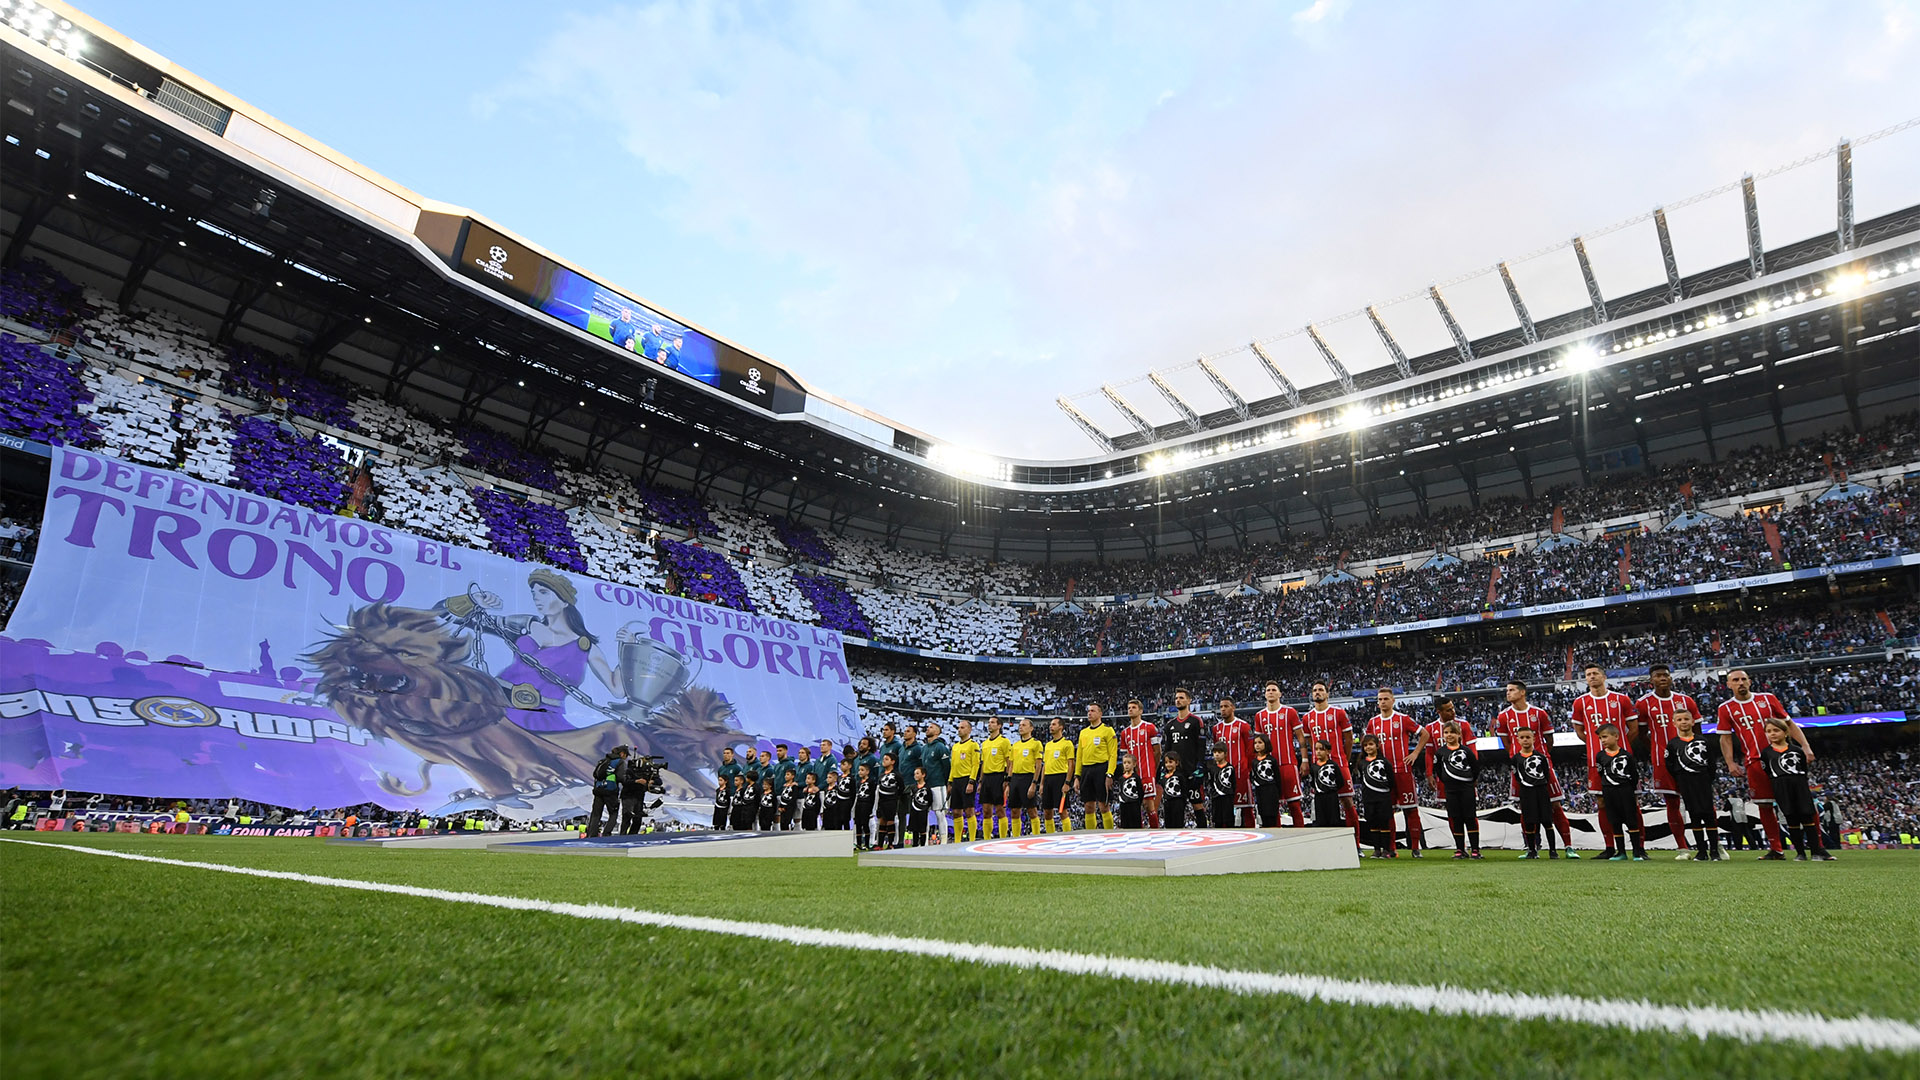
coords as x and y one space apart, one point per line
120 969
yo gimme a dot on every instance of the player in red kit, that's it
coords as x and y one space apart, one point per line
1281 725
1141 739
1657 710
1237 736
1397 732
1591 710
1329 723
1744 717
1520 714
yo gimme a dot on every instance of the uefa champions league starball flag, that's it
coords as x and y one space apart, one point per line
182 639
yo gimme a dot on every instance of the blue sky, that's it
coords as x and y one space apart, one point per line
954 213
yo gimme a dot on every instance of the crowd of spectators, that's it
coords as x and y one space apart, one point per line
836 607
1873 523
283 463
1474 669
703 574
1874 790
19 534
1664 492
525 529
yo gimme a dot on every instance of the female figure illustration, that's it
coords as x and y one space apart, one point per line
553 651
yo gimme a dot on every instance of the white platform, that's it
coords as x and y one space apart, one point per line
1144 852
472 841
698 844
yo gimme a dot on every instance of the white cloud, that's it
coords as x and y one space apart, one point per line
1321 11
952 214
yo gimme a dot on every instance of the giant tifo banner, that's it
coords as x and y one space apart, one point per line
182 639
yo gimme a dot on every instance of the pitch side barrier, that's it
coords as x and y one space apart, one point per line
82 820
1752 581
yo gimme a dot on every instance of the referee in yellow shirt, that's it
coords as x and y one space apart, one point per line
996 754
1053 786
1023 775
1099 758
963 783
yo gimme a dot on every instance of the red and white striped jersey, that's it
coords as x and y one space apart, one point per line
1396 732
1281 727
1331 726
1748 721
1656 716
1142 740
1436 731
1534 718
1238 735
1591 713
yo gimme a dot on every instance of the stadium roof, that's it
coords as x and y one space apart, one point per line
139 178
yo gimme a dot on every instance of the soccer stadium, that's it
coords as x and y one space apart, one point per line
1421 691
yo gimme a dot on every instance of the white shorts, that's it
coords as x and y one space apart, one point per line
939 795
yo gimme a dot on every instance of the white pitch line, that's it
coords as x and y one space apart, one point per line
1752 1026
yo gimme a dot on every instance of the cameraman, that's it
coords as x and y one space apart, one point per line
606 792
636 779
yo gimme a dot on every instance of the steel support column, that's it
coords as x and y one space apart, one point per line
1519 306
1843 216
1227 393
1598 301
1460 342
1132 414
1399 355
1756 251
1666 254
1186 411
1279 378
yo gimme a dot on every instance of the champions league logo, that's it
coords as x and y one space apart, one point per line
751 384
1148 842
495 264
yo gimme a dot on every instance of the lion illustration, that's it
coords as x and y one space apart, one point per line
399 674
690 734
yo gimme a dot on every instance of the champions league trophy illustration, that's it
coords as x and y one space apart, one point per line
654 674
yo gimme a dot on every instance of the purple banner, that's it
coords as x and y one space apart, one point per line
179 639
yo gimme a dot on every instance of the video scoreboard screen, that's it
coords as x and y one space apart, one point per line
509 267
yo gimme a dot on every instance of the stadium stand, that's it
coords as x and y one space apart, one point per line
237 417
